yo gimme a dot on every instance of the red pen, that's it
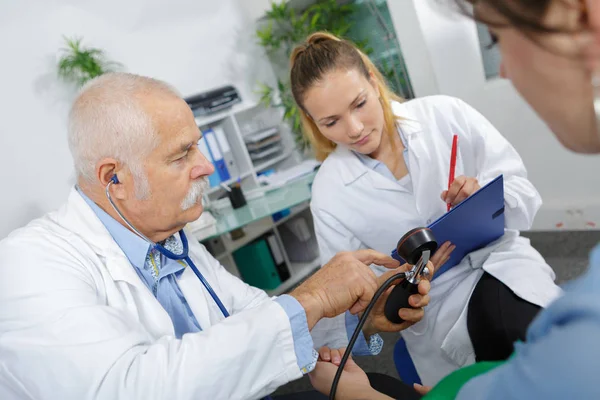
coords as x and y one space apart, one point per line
452 164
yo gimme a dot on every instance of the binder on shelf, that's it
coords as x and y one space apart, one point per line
226 150
216 155
256 265
277 254
214 179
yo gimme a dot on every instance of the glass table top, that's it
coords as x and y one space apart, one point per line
273 201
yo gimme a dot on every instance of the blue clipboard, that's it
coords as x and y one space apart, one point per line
471 225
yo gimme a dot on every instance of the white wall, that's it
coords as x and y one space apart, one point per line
195 45
443 56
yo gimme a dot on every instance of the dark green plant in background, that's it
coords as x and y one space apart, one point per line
79 64
283 27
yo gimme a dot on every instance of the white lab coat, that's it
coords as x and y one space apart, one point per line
355 207
76 322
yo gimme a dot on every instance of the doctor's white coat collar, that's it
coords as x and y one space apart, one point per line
76 216
353 167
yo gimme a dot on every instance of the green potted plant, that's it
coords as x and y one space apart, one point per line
79 64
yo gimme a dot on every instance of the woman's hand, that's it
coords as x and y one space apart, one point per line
353 384
333 356
442 255
460 189
422 390
378 322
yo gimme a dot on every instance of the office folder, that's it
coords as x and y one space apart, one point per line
213 179
226 150
256 265
217 155
471 225
277 254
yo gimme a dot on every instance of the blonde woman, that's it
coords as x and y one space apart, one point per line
385 171
551 53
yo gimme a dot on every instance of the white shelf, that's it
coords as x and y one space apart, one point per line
218 116
233 123
299 271
251 232
264 165
293 212
265 153
254 230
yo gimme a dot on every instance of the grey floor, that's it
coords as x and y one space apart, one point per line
565 252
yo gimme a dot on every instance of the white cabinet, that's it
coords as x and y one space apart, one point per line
254 139
239 125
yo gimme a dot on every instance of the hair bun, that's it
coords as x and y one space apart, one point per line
319 37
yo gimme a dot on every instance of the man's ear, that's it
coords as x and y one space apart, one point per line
109 169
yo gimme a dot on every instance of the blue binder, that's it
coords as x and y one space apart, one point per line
216 154
471 225
214 179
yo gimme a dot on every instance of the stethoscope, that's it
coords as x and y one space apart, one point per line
169 254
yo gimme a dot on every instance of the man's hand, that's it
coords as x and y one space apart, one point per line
378 322
460 189
353 383
344 283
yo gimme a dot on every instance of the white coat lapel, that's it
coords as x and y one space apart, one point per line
425 188
353 168
429 164
196 296
381 182
79 218
120 269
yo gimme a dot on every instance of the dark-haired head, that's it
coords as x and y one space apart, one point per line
551 52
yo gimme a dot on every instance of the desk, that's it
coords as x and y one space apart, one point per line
255 218
272 202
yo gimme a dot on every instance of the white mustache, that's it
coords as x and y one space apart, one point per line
194 196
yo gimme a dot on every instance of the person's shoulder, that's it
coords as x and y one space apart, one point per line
427 104
36 232
42 238
329 171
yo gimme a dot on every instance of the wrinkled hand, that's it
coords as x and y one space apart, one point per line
344 283
377 321
460 189
353 384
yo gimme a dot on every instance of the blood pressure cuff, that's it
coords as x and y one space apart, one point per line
448 388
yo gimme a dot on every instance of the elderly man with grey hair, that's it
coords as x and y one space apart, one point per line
90 309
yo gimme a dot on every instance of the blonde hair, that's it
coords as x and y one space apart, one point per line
323 52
